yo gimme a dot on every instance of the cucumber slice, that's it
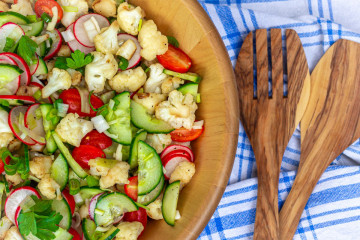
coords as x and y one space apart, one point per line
62 207
191 88
121 114
186 76
48 127
14 17
34 28
8 73
60 171
112 206
169 202
41 51
71 161
110 234
89 192
150 168
62 234
141 119
88 228
153 195
133 159
42 68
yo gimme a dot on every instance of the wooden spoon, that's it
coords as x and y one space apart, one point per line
330 124
270 121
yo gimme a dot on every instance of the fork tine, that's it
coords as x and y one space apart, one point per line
262 64
244 69
277 63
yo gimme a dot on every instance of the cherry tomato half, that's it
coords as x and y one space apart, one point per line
70 200
84 153
45 6
137 216
72 97
96 139
186 135
75 234
175 59
131 189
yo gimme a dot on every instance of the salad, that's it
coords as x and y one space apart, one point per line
97 112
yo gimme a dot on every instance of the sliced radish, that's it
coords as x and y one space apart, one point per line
10 30
123 37
14 125
13 99
70 200
15 198
34 66
35 124
56 45
171 162
92 205
75 45
177 152
36 80
17 213
25 76
14 85
79 30
172 148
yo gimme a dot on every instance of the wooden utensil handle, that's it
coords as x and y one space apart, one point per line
267 210
295 203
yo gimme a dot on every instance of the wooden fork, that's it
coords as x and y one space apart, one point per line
270 121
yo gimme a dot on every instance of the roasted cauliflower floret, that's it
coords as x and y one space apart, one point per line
129 18
14 179
6 135
158 141
84 211
152 41
178 111
106 8
149 100
103 67
70 17
64 51
49 188
3 7
23 7
5 224
106 41
155 211
58 79
76 76
5 139
129 80
72 129
170 84
183 173
156 78
118 174
13 234
101 166
129 230
40 166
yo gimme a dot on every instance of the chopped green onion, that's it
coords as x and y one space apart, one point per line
32 18
173 41
74 186
99 211
7 189
70 8
92 181
140 24
123 63
198 98
142 206
37 95
9 44
46 17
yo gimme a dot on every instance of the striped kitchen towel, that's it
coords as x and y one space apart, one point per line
333 211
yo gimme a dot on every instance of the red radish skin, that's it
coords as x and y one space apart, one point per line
16 82
55 48
17 215
171 162
13 201
92 205
13 119
70 200
25 99
35 66
175 147
39 129
25 76
75 45
177 153
136 57
79 31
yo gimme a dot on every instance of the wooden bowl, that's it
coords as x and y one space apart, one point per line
215 149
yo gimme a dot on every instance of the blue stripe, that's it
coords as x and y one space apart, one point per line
253 19
310 7
320 8
331 10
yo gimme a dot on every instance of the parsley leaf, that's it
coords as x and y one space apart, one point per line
28 223
45 234
173 41
9 45
123 63
60 62
26 49
50 223
78 60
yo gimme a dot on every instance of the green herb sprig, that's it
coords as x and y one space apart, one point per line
77 61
